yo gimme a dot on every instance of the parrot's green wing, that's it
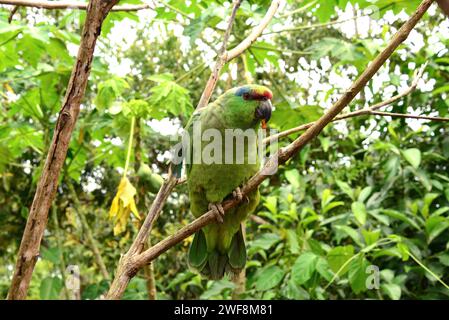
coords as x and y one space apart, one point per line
177 168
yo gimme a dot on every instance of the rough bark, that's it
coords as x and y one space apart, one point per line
48 182
444 5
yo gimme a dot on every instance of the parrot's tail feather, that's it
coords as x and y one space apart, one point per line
213 264
237 252
198 251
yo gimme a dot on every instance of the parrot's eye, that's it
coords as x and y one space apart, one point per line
246 96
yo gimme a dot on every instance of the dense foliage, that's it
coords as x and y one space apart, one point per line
372 193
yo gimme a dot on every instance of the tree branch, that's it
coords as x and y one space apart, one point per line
227 56
58 5
365 111
444 5
132 264
97 10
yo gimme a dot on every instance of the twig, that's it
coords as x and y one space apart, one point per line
365 111
407 116
133 263
97 10
58 5
317 25
227 56
12 13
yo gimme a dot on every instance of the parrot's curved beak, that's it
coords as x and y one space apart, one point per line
263 112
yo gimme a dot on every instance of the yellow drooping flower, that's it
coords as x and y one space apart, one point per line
122 206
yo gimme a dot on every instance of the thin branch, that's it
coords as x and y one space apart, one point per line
365 111
132 264
255 33
12 13
221 60
317 25
299 10
58 5
97 11
407 116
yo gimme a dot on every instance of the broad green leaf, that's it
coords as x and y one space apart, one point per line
358 274
269 277
350 232
346 188
338 256
370 236
364 194
50 288
265 241
51 254
217 288
304 267
292 239
293 177
435 226
392 290
413 156
359 210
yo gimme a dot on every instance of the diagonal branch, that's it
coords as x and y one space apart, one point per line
133 263
365 111
97 11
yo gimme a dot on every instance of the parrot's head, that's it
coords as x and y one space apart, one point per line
248 105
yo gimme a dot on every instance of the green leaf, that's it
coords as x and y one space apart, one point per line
370 236
359 210
304 267
269 277
292 239
346 188
400 216
265 241
295 292
293 177
51 254
392 290
217 288
350 232
338 256
364 194
413 156
357 274
428 199
50 288
435 226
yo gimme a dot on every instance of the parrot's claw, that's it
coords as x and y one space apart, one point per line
218 211
237 193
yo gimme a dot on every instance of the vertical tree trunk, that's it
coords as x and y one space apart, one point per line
48 182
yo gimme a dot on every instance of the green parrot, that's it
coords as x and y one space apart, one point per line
219 248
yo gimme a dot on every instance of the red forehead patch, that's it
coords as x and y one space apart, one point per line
261 95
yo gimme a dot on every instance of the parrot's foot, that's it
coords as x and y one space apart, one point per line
237 193
218 211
